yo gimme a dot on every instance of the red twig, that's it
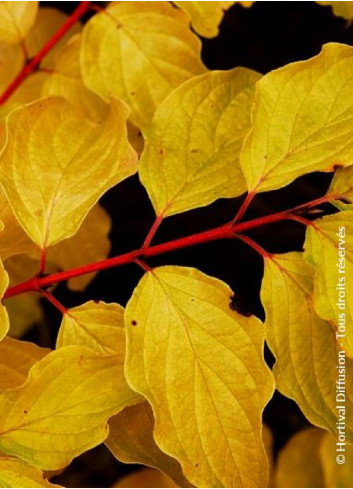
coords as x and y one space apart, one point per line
143 265
255 246
54 301
243 208
32 64
152 231
222 232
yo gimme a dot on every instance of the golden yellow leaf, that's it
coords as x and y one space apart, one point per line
16 18
201 367
342 185
13 240
11 62
267 438
139 52
91 243
97 325
65 81
47 22
192 148
4 319
17 473
335 474
299 463
16 358
131 441
205 16
329 247
53 179
135 137
145 478
63 408
303 344
341 9
302 120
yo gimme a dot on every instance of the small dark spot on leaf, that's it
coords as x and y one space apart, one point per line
196 465
132 94
194 151
192 299
96 301
161 151
25 411
133 322
336 166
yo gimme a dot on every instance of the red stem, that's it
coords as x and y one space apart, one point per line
243 208
222 232
152 231
255 246
32 64
54 302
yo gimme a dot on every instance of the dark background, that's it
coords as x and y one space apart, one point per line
264 37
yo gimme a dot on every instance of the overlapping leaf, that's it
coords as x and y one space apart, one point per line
200 366
335 474
341 9
302 120
17 473
299 462
51 178
342 186
16 19
145 478
63 408
131 441
97 325
16 358
191 155
139 52
303 344
329 246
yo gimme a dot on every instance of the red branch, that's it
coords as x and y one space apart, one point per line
32 64
222 232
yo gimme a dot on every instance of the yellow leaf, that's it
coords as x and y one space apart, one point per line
91 243
192 148
51 178
301 120
329 247
4 320
135 137
16 473
63 408
65 81
342 185
139 52
13 240
11 62
48 21
131 441
299 463
303 344
16 358
145 478
341 9
16 18
205 16
98 326
335 474
200 366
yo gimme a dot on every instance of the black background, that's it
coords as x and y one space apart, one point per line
264 37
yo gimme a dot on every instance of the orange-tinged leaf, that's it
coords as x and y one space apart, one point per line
91 243
205 16
16 19
303 344
299 463
131 441
192 148
47 22
65 81
17 473
4 319
53 179
200 365
145 478
139 52
16 358
329 247
302 120
63 408
341 9
97 325
335 474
